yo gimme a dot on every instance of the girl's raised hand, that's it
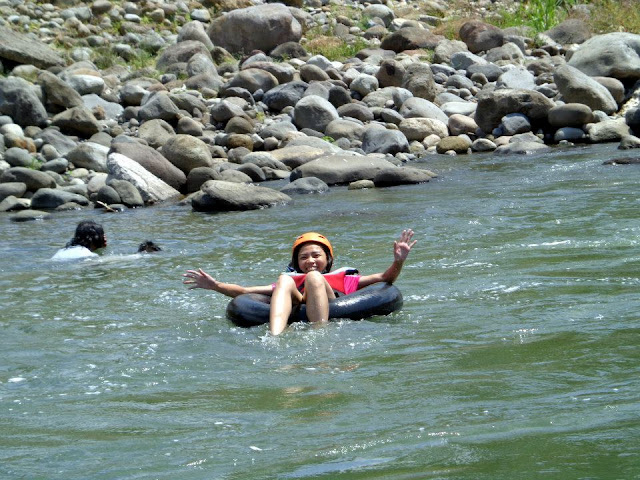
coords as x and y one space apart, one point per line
199 279
403 245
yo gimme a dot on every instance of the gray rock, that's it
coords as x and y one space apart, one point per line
15 189
263 159
128 193
570 134
58 94
33 179
418 79
279 130
19 101
514 123
50 198
58 165
253 79
262 27
107 195
89 155
628 142
221 196
570 31
199 175
29 215
394 176
156 132
614 55
341 169
390 73
492 106
358 111
490 71
570 115
233 175
459 144
314 112
11 204
195 31
151 188
180 53
187 152
516 78
577 87
112 110
415 107
225 110
507 54
521 148
304 186
26 50
77 121
418 128
608 130
410 38
283 72
483 145
382 140
347 129
18 157
446 48
294 156
464 60
151 160
462 124
159 106
52 136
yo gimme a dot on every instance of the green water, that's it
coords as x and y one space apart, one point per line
515 354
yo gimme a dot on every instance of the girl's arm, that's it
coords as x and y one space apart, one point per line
200 279
401 249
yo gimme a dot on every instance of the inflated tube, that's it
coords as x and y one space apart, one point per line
252 309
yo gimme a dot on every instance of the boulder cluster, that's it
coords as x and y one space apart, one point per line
235 99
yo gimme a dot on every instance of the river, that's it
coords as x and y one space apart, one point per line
516 354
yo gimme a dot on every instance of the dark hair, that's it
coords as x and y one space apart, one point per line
294 267
89 235
148 247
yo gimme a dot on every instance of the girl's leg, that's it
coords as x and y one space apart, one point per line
317 293
282 300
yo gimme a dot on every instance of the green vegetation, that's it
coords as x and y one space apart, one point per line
615 15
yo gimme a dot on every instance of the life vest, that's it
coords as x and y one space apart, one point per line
335 278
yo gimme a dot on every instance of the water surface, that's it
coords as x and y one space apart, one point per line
515 354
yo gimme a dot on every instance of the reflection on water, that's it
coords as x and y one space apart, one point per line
515 354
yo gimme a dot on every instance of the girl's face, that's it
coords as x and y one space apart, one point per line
312 256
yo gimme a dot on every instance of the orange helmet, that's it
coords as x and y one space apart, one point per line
316 238
312 237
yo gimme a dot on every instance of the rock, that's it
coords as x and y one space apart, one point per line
233 175
462 124
570 115
521 148
180 52
77 121
570 31
570 134
480 36
415 107
29 215
286 95
294 156
390 73
264 160
112 110
221 196
52 136
303 186
418 79
394 176
128 193
195 30
417 128
18 157
507 54
608 130
514 123
459 144
347 129
283 72
199 175
150 187
382 140
356 110
577 87
446 48
516 78
492 106
614 55
89 155
341 169
361 185
187 152
19 100
615 87
24 49
156 132
15 189
253 79
11 204
58 94
33 179
483 145
159 106
261 27
107 195
314 112
50 198
410 38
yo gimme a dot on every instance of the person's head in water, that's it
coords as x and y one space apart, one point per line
148 247
89 235
311 251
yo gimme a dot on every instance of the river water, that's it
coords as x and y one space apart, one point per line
516 354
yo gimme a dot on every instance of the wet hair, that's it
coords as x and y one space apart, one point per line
148 247
89 235
294 267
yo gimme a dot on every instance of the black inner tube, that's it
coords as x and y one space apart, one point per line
252 309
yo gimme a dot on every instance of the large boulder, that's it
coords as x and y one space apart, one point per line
181 52
89 155
393 176
221 196
152 160
77 121
187 152
19 100
285 95
614 55
382 140
50 198
342 169
25 50
151 188
314 112
577 87
33 179
492 106
58 94
262 27
418 79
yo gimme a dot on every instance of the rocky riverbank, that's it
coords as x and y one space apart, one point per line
122 105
